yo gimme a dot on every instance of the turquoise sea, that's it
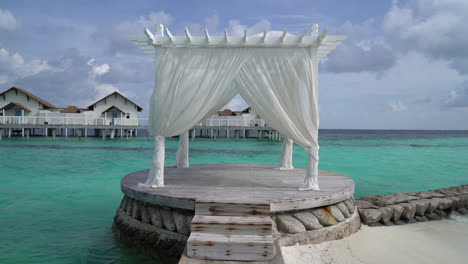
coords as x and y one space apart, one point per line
58 197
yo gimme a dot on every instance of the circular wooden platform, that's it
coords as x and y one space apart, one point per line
239 184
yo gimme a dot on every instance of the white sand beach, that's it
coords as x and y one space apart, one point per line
444 241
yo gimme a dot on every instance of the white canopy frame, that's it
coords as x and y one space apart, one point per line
199 70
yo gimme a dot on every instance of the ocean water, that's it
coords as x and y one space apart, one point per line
58 197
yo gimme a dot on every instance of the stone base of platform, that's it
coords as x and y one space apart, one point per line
233 212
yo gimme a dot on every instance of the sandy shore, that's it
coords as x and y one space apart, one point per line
444 241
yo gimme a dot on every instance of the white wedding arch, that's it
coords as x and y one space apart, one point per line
197 75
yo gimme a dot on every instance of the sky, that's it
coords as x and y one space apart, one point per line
404 64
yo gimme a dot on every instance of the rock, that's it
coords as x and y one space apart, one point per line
188 219
289 224
421 207
324 217
400 222
123 204
168 220
136 210
429 194
433 216
464 199
309 220
449 191
369 216
336 213
349 204
145 218
129 209
457 202
155 215
463 211
365 205
411 221
421 218
180 223
408 213
394 198
441 213
397 211
444 203
389 223
375 224
376 200
344 209
387 213
433 204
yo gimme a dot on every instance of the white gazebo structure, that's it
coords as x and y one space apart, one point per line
197 75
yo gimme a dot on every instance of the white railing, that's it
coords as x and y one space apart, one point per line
96 121
234 122
99 121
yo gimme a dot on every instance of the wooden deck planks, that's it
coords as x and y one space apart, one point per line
242 183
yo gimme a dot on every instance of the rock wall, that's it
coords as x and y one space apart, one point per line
407 208
316 225
161 231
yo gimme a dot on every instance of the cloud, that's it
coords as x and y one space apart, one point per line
137 71
13 66
457 99
422 100
237 29
361 51
397 106
8 21
236 104
118 36
430 26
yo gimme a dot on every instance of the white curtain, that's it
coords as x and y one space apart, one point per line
193 83
182 155
286 154
278 84
189 83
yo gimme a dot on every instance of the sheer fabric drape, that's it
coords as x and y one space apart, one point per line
190 83
278 84
193 83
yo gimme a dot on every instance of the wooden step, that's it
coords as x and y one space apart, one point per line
230 247
209 207
229 225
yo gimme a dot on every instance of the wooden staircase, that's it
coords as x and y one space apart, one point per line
231 231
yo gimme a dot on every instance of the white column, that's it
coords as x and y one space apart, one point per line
182 156
286 154
3 111
311 179
193 134
227 132
22 116
53 133
156 173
